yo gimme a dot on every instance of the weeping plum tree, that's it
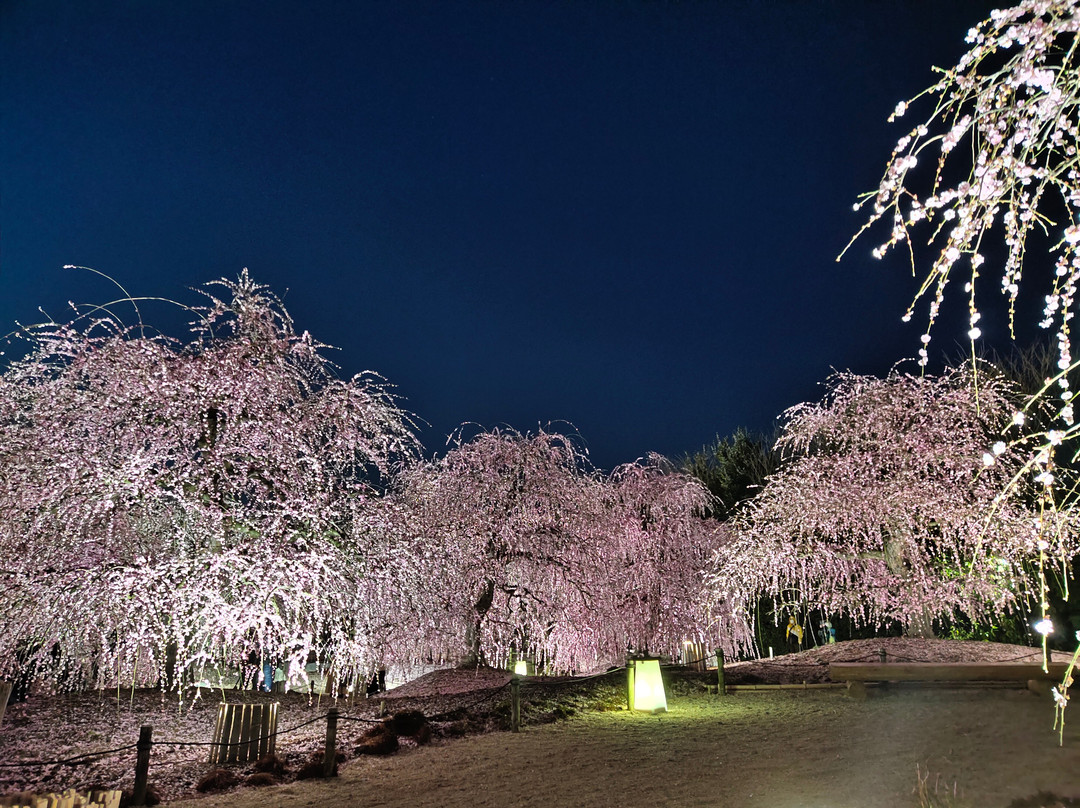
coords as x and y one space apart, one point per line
516 544
989 178
661 538
195 501
889 506
498 528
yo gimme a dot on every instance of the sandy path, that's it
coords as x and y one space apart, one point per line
774 750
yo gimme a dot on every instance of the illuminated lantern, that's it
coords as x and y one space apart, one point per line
521 667
646 686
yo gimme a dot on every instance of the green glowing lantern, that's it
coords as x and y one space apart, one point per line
521 667
646 686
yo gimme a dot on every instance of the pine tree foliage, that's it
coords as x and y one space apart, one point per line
733 469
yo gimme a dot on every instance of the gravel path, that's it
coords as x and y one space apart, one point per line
768 749
750 748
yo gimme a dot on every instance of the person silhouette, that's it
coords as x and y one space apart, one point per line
794 630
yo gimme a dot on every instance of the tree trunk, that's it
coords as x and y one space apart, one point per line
170 682
473 655
5 692
920 624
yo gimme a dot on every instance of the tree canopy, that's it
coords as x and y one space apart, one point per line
171 505
522 547
204 496
733 469
988 177
890 506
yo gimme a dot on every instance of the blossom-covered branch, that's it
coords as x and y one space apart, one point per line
889 506
517 545
196 502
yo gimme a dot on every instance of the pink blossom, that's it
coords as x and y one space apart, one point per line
887 493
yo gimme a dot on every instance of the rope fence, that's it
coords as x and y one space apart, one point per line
145 744
77 760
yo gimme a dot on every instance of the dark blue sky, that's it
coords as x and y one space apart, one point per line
619 214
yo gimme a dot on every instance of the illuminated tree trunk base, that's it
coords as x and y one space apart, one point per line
921 627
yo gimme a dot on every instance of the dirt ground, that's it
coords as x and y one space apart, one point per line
769 749
985 747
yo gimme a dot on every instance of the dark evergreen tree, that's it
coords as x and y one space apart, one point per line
733 468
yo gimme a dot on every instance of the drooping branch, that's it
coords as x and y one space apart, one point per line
889 506
191 496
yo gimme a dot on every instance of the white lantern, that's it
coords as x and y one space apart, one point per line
646 686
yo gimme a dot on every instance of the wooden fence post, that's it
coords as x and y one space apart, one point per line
330 755
721 688
142 765
882 656
5 694
515 704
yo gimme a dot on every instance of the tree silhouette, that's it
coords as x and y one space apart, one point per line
733 469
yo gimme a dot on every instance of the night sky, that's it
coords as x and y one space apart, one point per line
621 215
